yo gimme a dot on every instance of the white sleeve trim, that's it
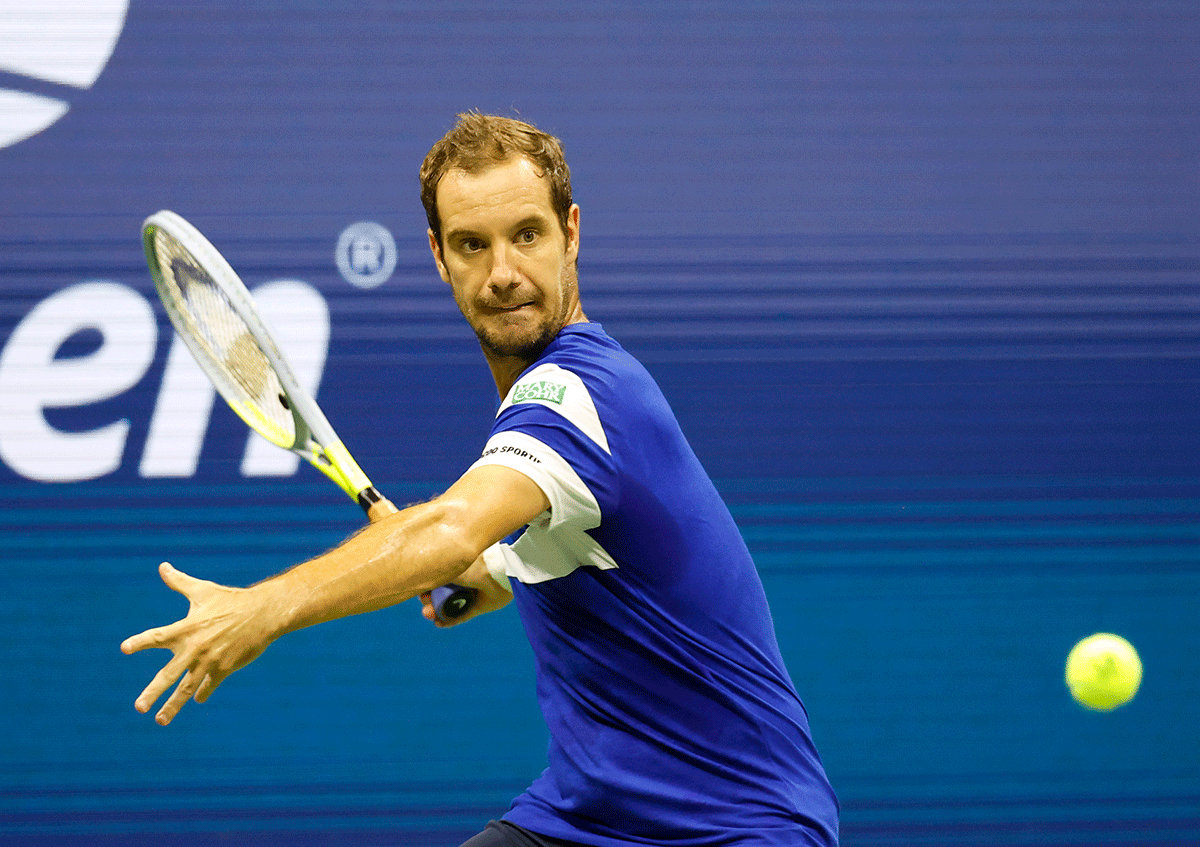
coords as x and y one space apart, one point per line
563 392
571 501
496 558
538 556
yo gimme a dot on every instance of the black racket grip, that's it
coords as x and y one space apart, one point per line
452 601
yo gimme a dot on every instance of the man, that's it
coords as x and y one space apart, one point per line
672 718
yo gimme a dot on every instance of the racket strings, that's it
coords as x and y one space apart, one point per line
223 339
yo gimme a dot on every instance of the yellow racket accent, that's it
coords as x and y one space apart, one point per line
263 424
336 463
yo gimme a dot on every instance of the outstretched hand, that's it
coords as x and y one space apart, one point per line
225 629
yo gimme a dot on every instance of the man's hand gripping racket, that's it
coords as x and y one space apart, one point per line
216 317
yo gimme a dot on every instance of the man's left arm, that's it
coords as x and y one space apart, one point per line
396 557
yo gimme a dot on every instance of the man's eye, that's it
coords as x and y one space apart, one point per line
527 236
470 245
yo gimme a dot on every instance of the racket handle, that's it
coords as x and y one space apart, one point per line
452 601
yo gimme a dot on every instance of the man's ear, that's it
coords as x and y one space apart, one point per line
572 233
436 249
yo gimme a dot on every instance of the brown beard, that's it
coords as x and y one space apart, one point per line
520 348
528 348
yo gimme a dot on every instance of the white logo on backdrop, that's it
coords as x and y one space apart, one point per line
35 379
366 254
63 42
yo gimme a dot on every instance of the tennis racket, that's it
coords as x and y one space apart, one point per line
217 319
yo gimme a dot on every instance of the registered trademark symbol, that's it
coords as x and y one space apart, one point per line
366 254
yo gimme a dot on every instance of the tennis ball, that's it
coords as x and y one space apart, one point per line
1103 671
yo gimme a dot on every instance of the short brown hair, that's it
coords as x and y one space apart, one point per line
479 141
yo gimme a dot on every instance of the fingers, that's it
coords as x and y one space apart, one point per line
208 687
163 680
195 684
427 610
178 581
179 697
160 636
165 637
205 645
149 638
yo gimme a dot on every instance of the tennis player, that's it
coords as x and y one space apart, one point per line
672 718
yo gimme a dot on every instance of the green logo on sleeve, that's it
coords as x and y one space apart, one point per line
548 392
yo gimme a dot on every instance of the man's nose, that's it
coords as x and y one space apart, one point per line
503 274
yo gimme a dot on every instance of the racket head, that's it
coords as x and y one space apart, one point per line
213 313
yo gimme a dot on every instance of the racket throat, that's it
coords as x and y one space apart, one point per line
335 462
368 497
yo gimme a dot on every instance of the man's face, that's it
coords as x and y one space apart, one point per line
506 257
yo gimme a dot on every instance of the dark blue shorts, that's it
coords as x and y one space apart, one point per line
505 834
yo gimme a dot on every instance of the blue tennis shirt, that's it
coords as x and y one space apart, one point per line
672 718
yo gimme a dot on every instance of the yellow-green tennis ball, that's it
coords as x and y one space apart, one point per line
1103 671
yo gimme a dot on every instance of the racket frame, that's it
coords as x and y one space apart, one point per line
315 439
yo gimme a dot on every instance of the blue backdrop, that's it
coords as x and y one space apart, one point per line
919 279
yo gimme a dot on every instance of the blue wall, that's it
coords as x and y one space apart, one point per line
919 279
